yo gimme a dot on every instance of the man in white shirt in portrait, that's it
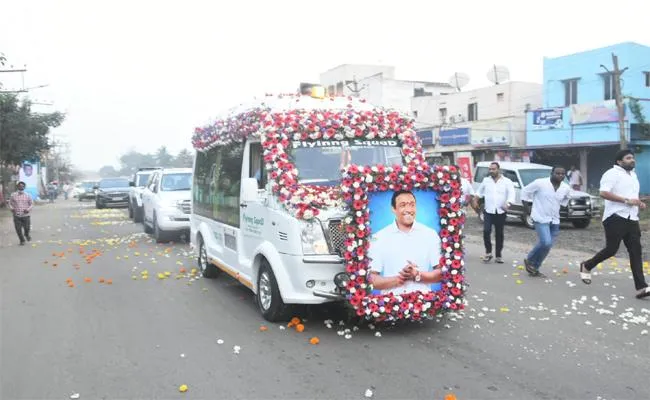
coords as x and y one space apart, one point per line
404 256
498 193
547 196
619 186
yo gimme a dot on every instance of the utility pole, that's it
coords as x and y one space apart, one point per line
620 105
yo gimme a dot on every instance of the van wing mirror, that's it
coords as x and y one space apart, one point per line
516 185
249 190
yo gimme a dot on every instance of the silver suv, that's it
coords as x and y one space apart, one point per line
581 207
138 182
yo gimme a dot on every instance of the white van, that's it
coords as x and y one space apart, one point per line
166 203
239 226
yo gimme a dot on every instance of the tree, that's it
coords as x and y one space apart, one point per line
184 159
23 133
108 171
637 111
131 161
163 157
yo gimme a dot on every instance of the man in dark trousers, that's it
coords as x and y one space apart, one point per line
619 186
20 204
498 193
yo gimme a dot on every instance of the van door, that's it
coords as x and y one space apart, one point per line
254 214
147 198
517 208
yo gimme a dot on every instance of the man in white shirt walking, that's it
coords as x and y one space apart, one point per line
619 186
498 193
547 196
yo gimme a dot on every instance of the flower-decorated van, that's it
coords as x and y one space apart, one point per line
289 189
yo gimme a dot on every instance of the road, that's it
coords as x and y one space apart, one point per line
520 338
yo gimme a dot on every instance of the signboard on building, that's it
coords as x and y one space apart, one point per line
464 162
592 113
426 137
548 119
492 140
453 137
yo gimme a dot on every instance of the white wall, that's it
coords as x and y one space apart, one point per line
516 95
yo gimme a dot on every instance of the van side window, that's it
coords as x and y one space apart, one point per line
481 173
256 165
228 179
512 175
203 171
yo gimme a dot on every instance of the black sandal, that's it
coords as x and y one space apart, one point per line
645 292
486 258
585 276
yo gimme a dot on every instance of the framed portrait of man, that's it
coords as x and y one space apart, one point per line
404 247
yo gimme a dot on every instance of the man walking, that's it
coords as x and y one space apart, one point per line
21 205
619 186
575 178
498 193
546 195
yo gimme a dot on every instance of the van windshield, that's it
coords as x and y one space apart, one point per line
320 162
529 175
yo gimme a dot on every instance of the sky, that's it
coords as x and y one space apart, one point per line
135 75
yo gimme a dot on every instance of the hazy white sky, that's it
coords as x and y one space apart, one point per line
138 74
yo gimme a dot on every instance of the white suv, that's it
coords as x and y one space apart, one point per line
166 203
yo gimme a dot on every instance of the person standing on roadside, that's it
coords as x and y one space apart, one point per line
575 178
547 195
619 186
498 193
20 204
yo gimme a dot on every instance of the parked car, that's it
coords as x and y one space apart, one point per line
579 211
112 192
138 183
86 190
166 203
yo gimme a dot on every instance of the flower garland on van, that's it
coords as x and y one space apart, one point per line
356 185
278 131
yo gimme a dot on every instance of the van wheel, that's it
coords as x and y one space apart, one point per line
137 214
208 270
268 296
158 234
130 210
581 223
528 221
146 227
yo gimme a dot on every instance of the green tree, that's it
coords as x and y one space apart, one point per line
184 159
108 171
23 133
163 157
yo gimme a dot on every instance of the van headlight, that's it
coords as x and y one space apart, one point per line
573 202
313 238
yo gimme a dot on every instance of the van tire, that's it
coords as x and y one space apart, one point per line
137 214
130 210
267 285
208 270
528 221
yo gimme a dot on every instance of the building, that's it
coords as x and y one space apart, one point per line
377 84
578 122
480 125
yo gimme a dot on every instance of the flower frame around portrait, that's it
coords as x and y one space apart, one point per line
357 184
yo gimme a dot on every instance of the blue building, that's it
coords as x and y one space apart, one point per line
578 124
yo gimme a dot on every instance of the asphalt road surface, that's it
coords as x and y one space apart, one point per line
134 338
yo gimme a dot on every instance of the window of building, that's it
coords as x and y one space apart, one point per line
472 112
331 90
570 92
500 97
415 113
647 78
443 114
608 85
